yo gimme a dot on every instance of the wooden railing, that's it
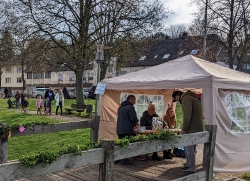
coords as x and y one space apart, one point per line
108 153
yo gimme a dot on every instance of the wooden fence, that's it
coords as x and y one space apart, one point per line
107 154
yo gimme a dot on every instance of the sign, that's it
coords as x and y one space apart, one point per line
100 88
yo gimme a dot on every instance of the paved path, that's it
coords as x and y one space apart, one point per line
139 171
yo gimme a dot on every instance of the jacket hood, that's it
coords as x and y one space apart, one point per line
125 103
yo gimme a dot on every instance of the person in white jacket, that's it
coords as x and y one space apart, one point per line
59 101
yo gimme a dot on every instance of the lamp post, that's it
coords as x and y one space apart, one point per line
99 58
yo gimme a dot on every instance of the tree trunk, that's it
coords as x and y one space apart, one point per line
79 88
230 36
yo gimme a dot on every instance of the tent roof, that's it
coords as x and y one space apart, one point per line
184 72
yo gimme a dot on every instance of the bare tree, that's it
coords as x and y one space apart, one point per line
80 24
176 31
226 19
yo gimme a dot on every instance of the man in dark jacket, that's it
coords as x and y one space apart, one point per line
192 123
126 122
127 118
146 120
50 94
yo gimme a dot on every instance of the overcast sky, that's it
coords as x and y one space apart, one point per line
182 12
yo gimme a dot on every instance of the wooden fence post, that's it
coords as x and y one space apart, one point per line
208 152
94 130
106 169
3 145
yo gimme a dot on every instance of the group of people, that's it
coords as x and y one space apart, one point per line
47 104
127 122
20 99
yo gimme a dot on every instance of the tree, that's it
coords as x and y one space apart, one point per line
6 50
80 24
228 19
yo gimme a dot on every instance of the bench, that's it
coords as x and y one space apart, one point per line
75 107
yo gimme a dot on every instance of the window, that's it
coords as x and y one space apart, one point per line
29 75
7 80
60 77
47 74
18 80
193 52
71 77
19 69
166 56
84 76
90 76
37 75
142 58
142 101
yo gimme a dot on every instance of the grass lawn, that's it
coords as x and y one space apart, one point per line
50 142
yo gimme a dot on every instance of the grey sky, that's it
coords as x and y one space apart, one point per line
182 12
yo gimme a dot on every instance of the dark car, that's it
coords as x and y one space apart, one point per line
92 92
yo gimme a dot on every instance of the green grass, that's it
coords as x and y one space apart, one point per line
246 176
50 142
32 144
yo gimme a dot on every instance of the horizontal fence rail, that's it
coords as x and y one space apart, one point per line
104 156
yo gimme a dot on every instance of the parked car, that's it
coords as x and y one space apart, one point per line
40 91
92 92
72 93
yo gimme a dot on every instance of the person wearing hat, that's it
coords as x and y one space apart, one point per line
192 123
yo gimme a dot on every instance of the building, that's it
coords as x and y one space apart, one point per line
55 77
168 49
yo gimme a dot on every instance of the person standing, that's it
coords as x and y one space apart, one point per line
47 105
17 97
23 95
146 120
50 94
59 101
126 122
192 123
65 93
39 104
25 104
6 91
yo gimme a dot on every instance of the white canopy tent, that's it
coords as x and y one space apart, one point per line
221 89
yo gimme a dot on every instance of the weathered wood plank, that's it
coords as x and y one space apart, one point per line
145 147
15 170
3 146
208 152
95 129
108 165
55 127
199 176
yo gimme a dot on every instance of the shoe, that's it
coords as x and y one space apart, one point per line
167 156
156 157
117 161
140 158
185 168
188 173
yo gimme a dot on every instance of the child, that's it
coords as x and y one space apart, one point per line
47 105
39 104
25 104
9 103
